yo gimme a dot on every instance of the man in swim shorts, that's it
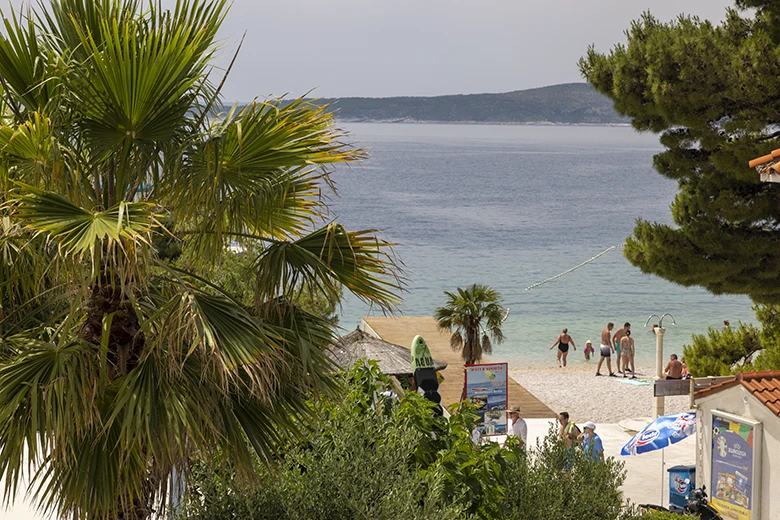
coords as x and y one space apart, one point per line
606 349
619 335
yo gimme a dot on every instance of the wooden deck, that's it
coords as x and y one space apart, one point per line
401 330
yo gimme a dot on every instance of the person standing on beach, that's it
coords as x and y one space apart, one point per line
591 443
568 431
616 339
517 428
674 368
606 349
563 341
627 351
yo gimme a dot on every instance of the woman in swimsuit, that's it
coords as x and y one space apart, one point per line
627 351
563 340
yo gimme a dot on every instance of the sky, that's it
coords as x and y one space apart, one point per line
379 48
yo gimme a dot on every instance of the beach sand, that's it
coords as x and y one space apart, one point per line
599 399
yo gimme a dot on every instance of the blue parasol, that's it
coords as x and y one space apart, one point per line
661 433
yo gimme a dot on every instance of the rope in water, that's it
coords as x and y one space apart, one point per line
586 262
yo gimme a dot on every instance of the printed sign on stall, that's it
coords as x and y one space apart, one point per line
486 389
732 468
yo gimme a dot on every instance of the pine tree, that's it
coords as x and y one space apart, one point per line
712 92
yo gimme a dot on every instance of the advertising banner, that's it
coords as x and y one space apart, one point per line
732 468
486 389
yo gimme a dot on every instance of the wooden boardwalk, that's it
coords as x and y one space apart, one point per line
401 330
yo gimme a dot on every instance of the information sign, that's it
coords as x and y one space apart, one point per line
486 389
733 466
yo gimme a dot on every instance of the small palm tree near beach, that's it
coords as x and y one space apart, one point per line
117 365
474 315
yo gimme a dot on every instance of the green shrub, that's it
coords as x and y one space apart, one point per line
560 484
369 458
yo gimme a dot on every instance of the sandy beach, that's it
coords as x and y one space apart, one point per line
599 399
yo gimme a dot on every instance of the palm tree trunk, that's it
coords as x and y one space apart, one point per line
125 344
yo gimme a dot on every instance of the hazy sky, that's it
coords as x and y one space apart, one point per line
425 47
382 48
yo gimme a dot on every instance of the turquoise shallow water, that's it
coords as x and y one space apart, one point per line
509 206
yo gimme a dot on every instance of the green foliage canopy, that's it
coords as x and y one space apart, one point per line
740 349
115 365
474 315
378 459
712 93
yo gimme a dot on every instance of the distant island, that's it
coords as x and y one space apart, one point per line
568 103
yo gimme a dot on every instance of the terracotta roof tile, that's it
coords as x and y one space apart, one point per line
767 164
765 386
716 387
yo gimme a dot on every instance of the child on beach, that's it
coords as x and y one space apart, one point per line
588 350
627 351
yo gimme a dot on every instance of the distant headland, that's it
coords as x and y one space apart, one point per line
568 103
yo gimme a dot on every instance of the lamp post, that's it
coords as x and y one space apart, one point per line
658 405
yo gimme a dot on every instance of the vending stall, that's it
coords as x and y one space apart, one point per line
738 434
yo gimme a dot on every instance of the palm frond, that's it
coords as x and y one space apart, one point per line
456 341
487 347
29 148
329 258
45 390
27 69
261 170
78 230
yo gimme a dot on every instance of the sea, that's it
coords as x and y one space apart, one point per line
510 206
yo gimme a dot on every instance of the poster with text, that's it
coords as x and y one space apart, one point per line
732 468
486 389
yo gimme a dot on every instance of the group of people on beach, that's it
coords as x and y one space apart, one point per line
568 431
622 345
588 440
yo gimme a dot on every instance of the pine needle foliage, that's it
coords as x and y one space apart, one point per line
710 92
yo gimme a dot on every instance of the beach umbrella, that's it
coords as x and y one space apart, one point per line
661 433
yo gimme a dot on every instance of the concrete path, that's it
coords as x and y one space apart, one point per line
401 330
646 481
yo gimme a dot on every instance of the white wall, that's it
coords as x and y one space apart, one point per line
738 401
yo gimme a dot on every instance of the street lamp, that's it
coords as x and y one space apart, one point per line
658 405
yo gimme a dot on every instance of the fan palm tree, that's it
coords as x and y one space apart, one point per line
115 365
474 316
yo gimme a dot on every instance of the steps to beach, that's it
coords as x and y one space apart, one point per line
402 329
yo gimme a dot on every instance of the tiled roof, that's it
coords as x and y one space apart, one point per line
767 165
765 386
758 161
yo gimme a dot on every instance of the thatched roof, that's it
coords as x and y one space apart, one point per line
393 359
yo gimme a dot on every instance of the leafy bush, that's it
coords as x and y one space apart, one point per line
373 458
561 484
715 354
739 349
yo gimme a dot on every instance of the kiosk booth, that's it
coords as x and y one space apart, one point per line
738 433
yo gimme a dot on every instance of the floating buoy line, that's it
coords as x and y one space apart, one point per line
586 262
